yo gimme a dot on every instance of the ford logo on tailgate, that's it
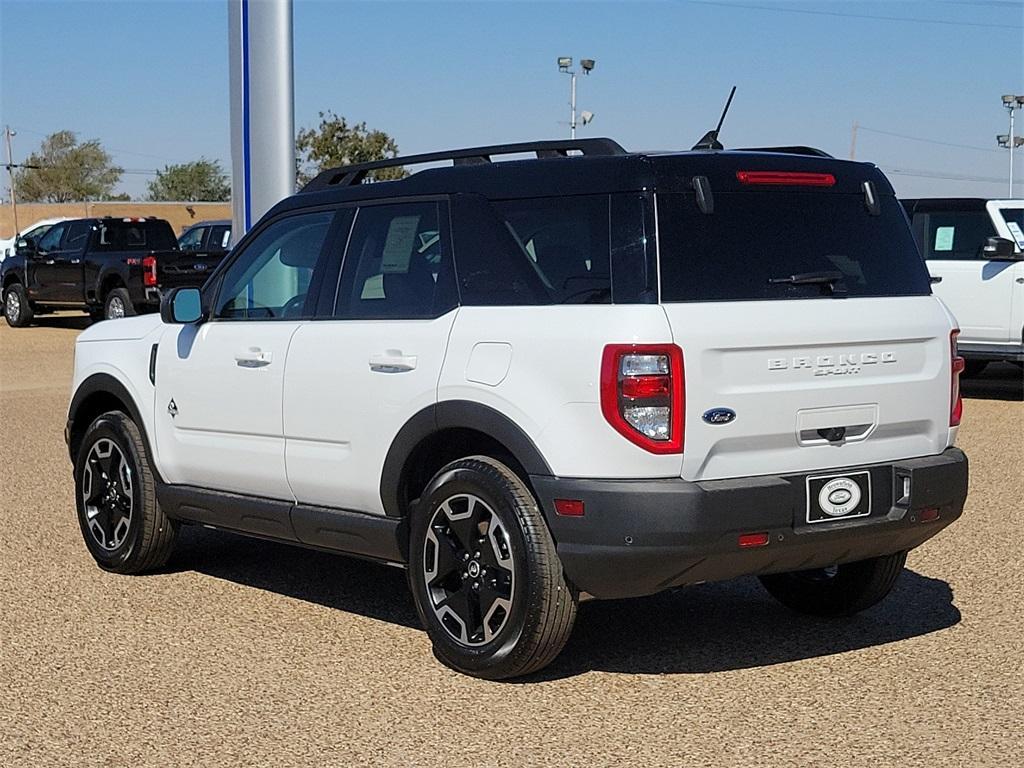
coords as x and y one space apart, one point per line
200 267
719 415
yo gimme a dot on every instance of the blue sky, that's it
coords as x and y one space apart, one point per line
149 79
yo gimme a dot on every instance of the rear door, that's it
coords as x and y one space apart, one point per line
68 272
978 292
809 319
219 384
372 361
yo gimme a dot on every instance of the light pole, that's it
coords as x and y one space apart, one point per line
1012 102
8 133
565 67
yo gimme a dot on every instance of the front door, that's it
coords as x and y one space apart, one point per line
219 384
357 375
41 265
68 272
978 291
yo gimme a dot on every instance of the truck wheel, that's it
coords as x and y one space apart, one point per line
974 368
484 573
841 590
118 304
124 527
17 308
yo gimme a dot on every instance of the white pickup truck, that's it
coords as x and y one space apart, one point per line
975 252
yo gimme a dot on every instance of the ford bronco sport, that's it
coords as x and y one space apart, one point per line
592 373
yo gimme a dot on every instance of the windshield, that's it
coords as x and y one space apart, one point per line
786 245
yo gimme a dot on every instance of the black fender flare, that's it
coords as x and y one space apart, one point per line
453 414
102 383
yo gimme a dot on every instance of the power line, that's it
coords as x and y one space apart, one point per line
113 150
809 11
926 141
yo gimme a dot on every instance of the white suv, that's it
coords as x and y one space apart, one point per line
975 253
593 373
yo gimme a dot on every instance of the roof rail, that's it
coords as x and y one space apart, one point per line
351 175
796 150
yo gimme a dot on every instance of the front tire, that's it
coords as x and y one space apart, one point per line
118 304
17 308
841 590
122 523
484 573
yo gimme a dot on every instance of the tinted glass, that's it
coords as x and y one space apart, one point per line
220 238
116 235
397 265
51 240
78 236
557 250
750 239
271 277
192 240
953 235
1014 218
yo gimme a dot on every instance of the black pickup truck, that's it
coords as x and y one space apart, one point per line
108 267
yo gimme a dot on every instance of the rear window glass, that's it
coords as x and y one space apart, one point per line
135 236
752 243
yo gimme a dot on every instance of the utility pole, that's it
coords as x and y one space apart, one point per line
853 141
8 133
564 64
1012 103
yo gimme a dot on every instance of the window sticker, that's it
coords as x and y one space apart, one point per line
1017 232
944 238
399 244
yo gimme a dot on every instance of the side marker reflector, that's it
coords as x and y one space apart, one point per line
569 507
751 540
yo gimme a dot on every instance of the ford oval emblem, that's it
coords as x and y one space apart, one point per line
719 415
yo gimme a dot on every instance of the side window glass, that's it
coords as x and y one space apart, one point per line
220 238
956 235
109 237
271 277
192 240
78 236
398 264
51 240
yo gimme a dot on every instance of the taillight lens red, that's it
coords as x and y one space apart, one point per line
643 394
957 365
787 178
149 271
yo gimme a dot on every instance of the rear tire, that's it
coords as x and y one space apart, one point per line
841 590
17 308
122 523
974 368
484 573
118 304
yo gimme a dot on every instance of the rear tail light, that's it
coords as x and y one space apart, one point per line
787 178
149 271
957 364
642 394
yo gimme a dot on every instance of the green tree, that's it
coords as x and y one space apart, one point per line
334 142
67 171
201 180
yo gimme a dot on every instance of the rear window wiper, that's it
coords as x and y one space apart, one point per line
829 279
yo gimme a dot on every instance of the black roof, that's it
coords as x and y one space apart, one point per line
585 166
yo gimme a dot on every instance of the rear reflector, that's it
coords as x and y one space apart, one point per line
569 507
928 515
750 540
787 178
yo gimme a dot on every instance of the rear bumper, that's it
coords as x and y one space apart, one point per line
992 352
638 537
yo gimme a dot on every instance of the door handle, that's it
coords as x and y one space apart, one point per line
392 361
76 261
253 357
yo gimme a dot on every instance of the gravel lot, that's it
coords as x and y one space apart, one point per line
250 653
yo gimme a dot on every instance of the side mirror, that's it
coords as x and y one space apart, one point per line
182 306
28 245
1000 248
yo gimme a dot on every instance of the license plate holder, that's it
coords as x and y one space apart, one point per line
839 496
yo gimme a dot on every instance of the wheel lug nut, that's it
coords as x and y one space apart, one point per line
464 574
476 585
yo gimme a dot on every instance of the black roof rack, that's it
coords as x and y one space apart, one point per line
796 150
350 175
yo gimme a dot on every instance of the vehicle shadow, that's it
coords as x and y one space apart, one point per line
999 381
73 322
706 628
736 625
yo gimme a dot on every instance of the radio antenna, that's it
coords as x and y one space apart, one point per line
710 139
